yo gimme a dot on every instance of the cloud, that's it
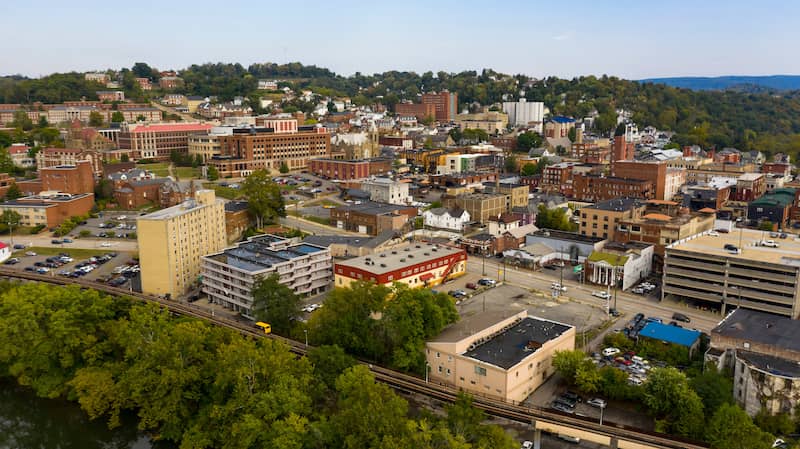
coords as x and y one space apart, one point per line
562 36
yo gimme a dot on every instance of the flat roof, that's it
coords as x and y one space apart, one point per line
788 253
177 210
391 260
771 364
760 327
670 334
257 254
373 208
517 342
617 204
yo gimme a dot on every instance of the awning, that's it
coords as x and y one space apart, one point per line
426 277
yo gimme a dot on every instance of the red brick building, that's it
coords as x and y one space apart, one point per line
73 179
111 95
348 170
156 141
49 210
558 178
622 150
777 168
655 172
445 104
144 83
54 157
406 143
594 188
250 149
590 152
420 111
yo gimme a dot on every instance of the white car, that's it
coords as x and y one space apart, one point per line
601 294
105 244
769 243
608 352
597 402
713 233
527 445
30 253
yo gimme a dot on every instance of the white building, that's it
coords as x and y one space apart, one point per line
627 262
523 113
385 190
502 224
442 218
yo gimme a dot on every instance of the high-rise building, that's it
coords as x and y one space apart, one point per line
445 104
172 242
623 151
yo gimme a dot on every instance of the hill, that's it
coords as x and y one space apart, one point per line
740 83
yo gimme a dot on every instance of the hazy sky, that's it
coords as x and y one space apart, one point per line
631 39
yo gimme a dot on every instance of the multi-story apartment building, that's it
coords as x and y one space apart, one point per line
558 178
734 270
250 149
205 145
503 355
230 276
49 209
480 206
144 83
491 122
749 186
704 173
349 170
445 104
141 114
170 82
418 265
663 223
110 95
385 190
98 77
524 113
594 188
157 140
602 219
558 126
666 181
518 193
172 242
420 111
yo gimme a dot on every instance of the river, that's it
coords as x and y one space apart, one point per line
28 422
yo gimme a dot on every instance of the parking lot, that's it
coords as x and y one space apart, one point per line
109 226
116 268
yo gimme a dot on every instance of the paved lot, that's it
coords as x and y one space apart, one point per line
102 271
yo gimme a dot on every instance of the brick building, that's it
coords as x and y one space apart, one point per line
622 150
749 187
667 181
420 111
558 178
594 188
250 149
49 210
156 141
348 170
54 157
558 126
170 82
480 206
372 218
445 104
72 179
237 219
602 219
111 95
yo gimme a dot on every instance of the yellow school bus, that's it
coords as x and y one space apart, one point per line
267 328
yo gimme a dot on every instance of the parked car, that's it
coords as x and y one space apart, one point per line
770 243
569 438
681 317
471 285
601 294
561 407
12 261
572 396
614 312
19 246
487 282
713 233
30 253
608 352
42 270
597 402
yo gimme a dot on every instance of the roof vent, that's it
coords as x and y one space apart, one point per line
402 260
383 255
383 265
410 256
394 252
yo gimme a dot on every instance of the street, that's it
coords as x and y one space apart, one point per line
627 303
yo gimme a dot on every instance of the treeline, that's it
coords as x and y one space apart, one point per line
55 88
207 387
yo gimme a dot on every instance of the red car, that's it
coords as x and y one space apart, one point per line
623 361
471 285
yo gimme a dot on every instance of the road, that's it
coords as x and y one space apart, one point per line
627 303
45 240
316 228
168 110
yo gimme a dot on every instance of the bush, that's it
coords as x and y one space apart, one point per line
131 235
84 233
37 229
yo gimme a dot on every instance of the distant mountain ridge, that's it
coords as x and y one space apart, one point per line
745 83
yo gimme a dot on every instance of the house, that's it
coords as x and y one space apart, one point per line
621 265
503 223
443 218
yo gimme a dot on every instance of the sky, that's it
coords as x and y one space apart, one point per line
629 39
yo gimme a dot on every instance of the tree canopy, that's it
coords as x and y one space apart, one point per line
264 200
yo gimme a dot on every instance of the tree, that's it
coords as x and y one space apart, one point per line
668 396
212 174
455 134
332 107
566 363
6 163
104 189
329 362
117 117
529 140
142 70
275 303
731 428
713 387
10 217
13 192
124 158
572 134
43 122
557 218
510 164
22 121
140 118
264 200
777 424
95 119
529 169
766 225
284 167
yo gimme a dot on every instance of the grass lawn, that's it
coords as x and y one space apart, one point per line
76 253
160 169
320 220
224 192
186 173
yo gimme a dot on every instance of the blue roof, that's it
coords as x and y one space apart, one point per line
562 119
670 334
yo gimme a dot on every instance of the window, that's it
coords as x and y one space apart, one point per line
479 370
440 368
438 355
448 372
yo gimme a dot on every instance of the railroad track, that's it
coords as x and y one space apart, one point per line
395 379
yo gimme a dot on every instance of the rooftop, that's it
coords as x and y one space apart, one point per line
567 236
747 241
171 127
670 334
778 197
176 211
372 208
760 327
388 261
514 344
259 253
616 204
771 364
235 206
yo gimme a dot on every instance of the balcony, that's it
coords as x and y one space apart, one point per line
691 293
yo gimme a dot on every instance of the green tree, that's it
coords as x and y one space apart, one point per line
6 163
714 388
142 70
95 119
731 428
557 218
104 189
766 225
212 174
529 140
43 123
117 117
264 200
511 165
284 167
329 362
124 158
13 192
567 363
455 134
588 378
669 397
529 169
275 303
778 424
572 134
140 118
332 107
10 218
22 121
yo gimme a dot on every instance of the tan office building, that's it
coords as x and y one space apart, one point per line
500 354
173 240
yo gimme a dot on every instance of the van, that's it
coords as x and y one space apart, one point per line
569 438
608 352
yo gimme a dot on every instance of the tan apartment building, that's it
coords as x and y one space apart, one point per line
734 270
602 219
172 242
501 354
491 122
205 145
663 223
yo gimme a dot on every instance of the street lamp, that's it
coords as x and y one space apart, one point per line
305 331
602 407
427 368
